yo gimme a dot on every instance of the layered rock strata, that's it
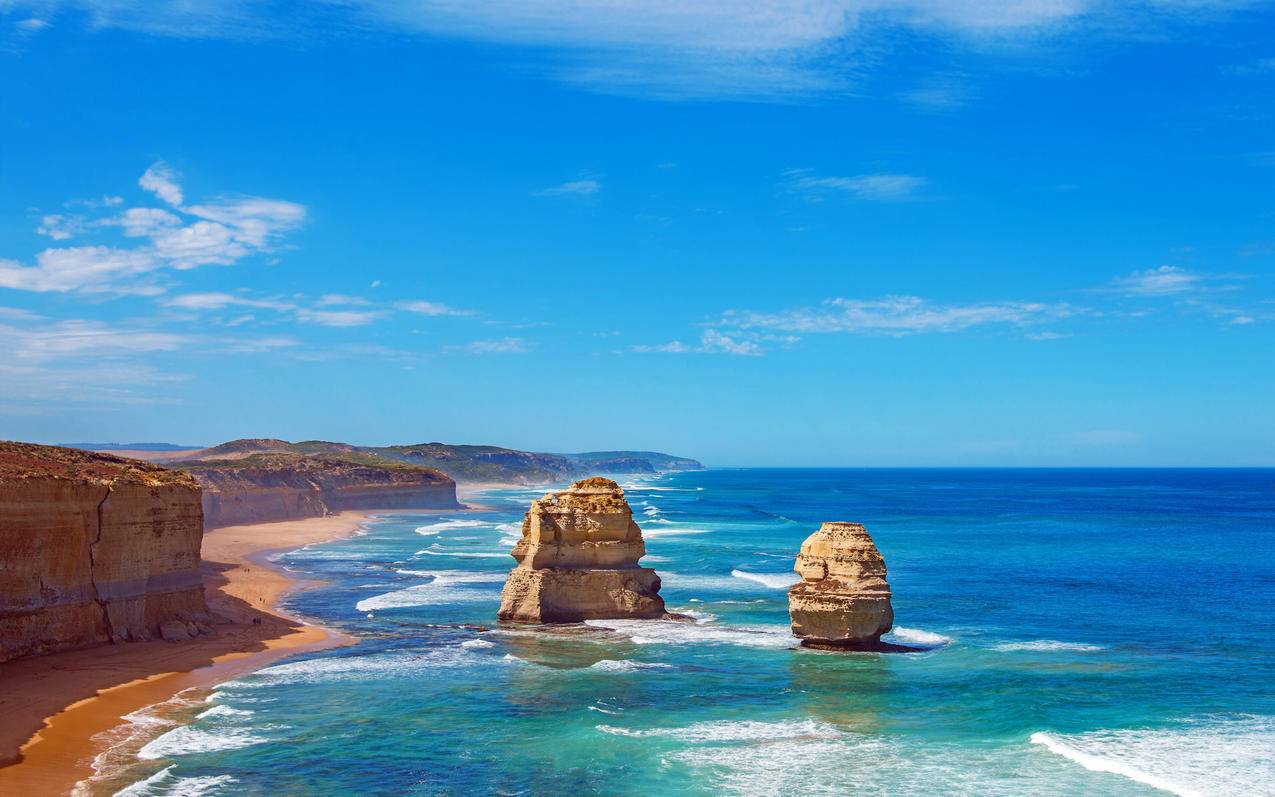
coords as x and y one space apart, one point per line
95 548
578 560
843 600
283 486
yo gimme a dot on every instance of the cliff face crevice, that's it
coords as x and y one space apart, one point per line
270 487
93 549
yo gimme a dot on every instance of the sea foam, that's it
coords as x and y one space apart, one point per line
1226 757
188 740
164 782
771 580
446 586
671 632
917 638
1047 645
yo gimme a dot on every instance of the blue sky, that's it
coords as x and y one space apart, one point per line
819 233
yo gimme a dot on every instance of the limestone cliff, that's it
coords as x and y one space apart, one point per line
94 548
265 487
843 600
578 560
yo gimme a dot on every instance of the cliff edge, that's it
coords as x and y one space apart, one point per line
273 486
95 548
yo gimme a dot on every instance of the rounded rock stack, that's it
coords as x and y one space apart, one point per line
578 560
843 600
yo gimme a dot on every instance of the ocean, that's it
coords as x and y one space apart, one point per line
1082 632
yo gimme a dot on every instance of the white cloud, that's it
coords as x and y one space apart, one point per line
431 309
83 339
337 318
83 268
59 227
573 188
874 187
677 48
711 342
161 180
218 301
499 346
1162 281
220 233
337 299
897 316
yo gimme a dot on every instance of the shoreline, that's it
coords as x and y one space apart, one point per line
54 705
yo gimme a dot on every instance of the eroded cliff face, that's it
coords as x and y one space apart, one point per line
283 486
578 560
843 600
94 548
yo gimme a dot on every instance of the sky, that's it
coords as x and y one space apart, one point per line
791 233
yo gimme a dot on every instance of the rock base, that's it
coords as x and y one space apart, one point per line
571 596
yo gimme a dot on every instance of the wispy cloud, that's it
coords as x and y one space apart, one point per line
711 342
222 232
572 188
425 308
498 346
898 316
872 187
1162 281
670 48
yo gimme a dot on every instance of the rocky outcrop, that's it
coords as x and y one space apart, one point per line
262 488
578 560
842 601
94 548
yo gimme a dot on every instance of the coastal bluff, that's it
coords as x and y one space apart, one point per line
95 548
578 560
245 483
843 600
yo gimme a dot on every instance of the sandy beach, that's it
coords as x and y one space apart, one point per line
53 705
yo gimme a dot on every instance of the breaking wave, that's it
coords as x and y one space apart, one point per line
771 580
626 665
1048 645
164 782
1219 758
446 586
672 632
917 638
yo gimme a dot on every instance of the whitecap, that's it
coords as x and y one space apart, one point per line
916 637
477 643
465 554
626 665
189 740
446 586
432 529
772 580
1048 645
164 782
224 711
734 731
1225 757
672 632
671 532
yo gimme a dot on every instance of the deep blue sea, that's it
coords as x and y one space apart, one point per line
1084 632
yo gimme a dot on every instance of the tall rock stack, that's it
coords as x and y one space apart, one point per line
578 560
95 548
842 601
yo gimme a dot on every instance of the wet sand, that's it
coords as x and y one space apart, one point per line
53 705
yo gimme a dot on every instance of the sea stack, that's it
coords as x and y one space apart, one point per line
842 601
578 560
95 548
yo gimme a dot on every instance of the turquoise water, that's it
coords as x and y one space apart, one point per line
1084 632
